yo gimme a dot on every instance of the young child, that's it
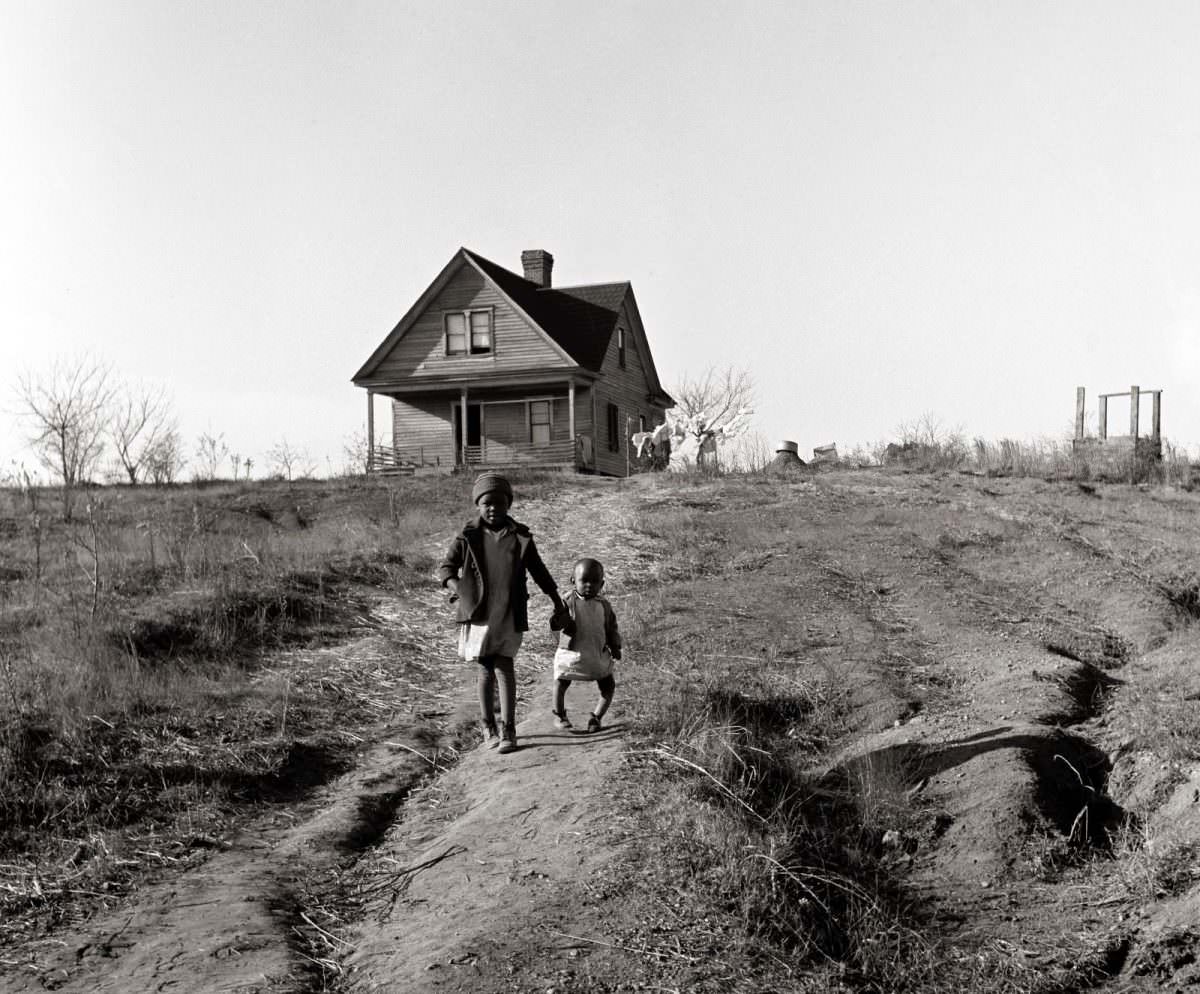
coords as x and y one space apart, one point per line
484 571
588 644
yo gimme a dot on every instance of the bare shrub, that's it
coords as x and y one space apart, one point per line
356 452
211 453
926 444
289 462
1178 469
748 453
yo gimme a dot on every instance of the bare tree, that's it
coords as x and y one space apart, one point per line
142 416
68 407
211 452
289 462
163 461
712 408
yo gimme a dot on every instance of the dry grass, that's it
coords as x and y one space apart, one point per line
141 695
120 739
737 733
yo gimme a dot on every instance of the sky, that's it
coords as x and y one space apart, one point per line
884 211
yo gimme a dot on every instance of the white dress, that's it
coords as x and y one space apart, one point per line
584 655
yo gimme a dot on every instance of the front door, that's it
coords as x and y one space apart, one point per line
474 433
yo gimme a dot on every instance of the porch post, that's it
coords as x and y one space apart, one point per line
571 412
463 424
370 430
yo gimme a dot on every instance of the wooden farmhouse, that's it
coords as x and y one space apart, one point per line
490 369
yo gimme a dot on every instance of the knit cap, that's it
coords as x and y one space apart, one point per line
489 482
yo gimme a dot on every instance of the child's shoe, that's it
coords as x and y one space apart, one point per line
508 740
561 720
593 723
491 737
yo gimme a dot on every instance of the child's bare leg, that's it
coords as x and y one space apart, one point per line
606 686
487 693
560 695
507 678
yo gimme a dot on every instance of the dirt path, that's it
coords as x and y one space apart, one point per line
249 918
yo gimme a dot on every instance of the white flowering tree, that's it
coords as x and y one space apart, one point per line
708 411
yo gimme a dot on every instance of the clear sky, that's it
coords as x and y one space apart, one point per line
882 210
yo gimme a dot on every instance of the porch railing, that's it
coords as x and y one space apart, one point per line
494 453
561 452
388 459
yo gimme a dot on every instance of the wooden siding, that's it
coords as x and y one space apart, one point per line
420 353
629 389
423 423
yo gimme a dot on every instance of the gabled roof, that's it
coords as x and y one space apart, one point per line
579 320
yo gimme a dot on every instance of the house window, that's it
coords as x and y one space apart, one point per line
468 332
539 422
621 347
614 429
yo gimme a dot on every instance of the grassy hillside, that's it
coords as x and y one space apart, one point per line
890 730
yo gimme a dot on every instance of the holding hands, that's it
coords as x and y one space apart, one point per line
561 621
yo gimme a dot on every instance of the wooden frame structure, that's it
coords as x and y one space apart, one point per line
1134 440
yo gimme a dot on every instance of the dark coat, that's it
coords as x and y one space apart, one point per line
612 635
463 562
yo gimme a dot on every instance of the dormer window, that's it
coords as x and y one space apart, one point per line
468 333
621 347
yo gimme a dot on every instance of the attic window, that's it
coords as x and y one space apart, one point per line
621 347
468 332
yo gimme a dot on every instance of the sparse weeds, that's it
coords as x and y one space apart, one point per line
1154 865
129 640
925 445
805 861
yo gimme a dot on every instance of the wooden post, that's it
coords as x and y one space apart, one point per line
1134 403
1079 412
628 424
370 431
463 425
571 412
1102 427
1156 415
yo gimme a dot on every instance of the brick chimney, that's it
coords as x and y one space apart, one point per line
537 263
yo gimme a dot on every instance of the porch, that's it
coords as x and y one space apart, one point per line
542 425
388 460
